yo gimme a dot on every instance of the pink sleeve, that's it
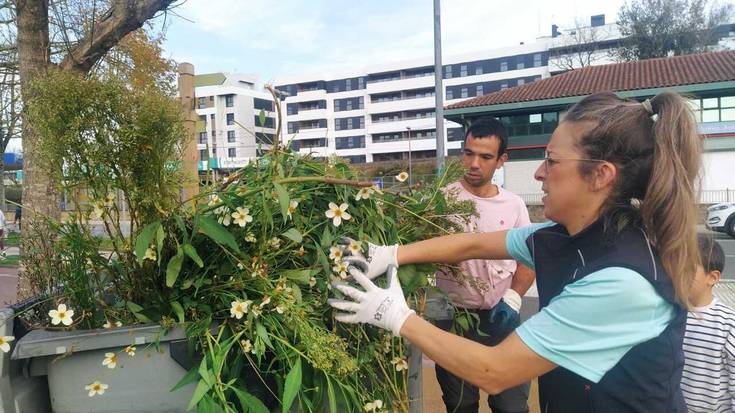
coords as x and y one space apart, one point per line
523 219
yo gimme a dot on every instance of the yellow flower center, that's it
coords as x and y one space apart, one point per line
338 213
96 387
62 314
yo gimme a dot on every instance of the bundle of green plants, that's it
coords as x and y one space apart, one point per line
245 268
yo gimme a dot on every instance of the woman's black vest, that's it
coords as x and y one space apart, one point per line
647 378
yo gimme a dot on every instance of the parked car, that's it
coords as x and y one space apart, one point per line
721 218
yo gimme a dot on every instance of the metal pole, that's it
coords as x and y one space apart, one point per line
438 88
410 171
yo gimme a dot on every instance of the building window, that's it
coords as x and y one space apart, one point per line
230 136
349 123
463 92
455 134
349 142
537 60
355 158
727 108
231 152
450 94
478 90
229 101
503 85
202 137
503 66
203 154
478 70
201 103
266 105
463 70
230 119
361 83
534 118
521 81
448 71
526 154
520 65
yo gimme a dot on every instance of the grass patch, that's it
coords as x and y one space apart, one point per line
13 239
10 261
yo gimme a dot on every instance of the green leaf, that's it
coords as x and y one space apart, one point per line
323 260
283 200
190 377
331 396
211 228
181 225
248 402
192 253
160 236
204 372
293 383
134 308
201 389
179 310
327 238
208 405
142 318
263 334
300 276
261 118
174 267
294 235
145 239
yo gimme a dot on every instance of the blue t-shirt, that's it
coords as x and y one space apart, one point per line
590 326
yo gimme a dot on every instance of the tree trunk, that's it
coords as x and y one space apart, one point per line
39 197
2 182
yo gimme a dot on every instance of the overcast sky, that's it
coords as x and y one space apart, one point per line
289 37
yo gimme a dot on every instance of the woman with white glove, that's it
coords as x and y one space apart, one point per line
613 267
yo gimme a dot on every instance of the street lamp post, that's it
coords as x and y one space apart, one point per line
410 172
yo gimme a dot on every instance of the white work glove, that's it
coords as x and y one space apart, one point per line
513 299
384 308
378 259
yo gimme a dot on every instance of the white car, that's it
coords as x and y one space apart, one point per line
721 218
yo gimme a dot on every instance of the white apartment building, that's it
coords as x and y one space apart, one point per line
379 113
230 133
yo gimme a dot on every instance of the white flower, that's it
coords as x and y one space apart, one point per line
335 253
337 213
373 406
130 350
247 346
401 177
5 343
312 281
240 266
239 308
341 269
364 193
301 251
242 216
256 311
118 323
250 237
266 301
96 388
61 315
224 216
355 247
214 200
400 363
110 360
107 325
292 207
280 309
150 253
275 243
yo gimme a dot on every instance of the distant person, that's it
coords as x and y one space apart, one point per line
708 381
18 216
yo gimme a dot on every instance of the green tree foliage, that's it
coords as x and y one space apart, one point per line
660 28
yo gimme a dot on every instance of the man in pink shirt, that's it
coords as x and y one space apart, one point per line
491 289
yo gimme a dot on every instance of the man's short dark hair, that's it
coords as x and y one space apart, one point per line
713 257
487 127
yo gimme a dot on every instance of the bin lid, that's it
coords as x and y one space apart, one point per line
39 343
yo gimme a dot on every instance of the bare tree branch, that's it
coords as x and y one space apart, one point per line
122 18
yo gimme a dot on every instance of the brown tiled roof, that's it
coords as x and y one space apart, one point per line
652 73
